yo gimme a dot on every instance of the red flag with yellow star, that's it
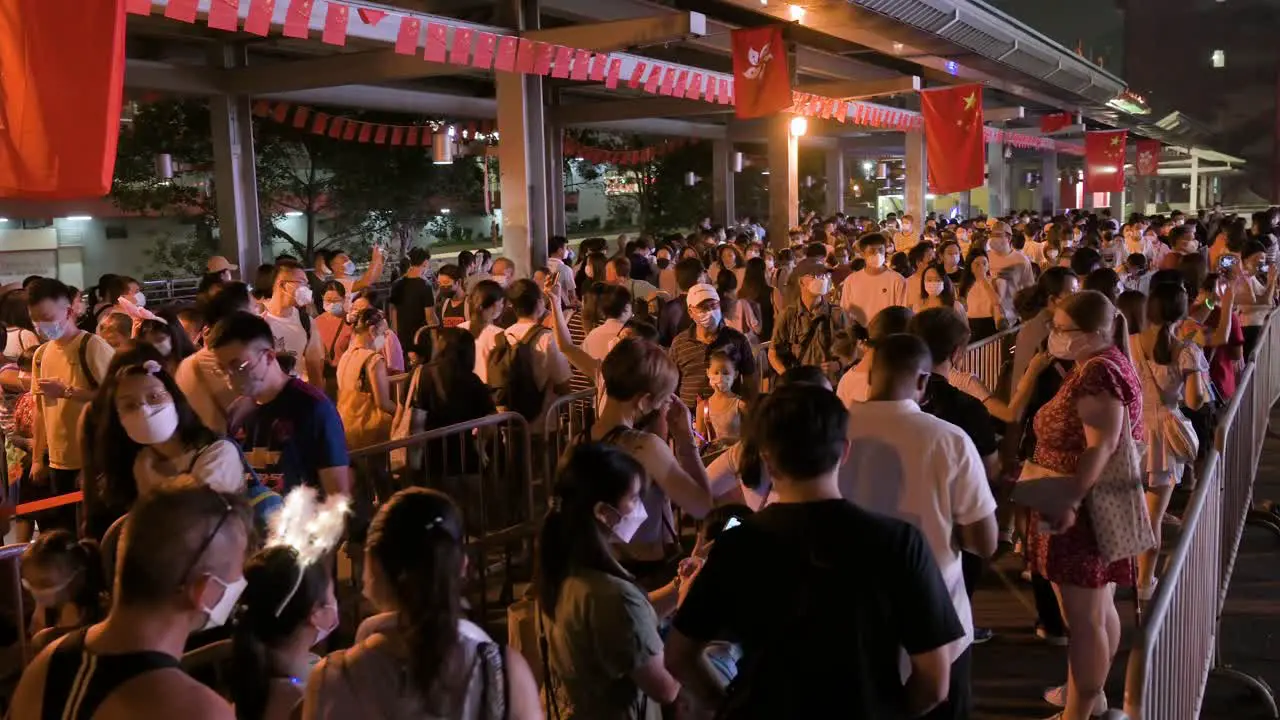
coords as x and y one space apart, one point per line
953 136
1104 161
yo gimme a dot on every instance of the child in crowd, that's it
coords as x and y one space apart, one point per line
720 414
65 579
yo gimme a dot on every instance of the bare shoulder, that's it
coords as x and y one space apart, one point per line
166 693
27 698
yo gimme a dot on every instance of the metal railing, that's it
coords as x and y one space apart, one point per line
987 357
1178 644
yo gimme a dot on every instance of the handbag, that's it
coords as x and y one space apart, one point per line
1116 505
408 421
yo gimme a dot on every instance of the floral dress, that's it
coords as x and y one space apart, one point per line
1072 557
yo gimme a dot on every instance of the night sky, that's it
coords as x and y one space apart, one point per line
1095 23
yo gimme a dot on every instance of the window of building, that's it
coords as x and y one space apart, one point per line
1219 59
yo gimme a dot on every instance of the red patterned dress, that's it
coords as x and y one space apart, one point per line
1071 557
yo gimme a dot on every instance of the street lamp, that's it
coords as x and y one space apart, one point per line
799 126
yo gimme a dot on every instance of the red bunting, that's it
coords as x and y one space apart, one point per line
581 65
224 14
711 89
181 10
505 59
397 136
563 57
349 130
694 88
668 82
258 21
485 45
366 132
615 69
369 16
654 81
542 57
409 35
318 127
380 136
637 74
599 64
412 138
726 92
297 21
335 127
281 112
335 24
436 36
524 56
460 53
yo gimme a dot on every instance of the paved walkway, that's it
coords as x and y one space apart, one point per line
1013 670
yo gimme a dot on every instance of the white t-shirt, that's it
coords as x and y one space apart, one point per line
725 473
292 338
864 295
1011 273
918 468
597 341
207 388
484 347
217 465
550 366
854 386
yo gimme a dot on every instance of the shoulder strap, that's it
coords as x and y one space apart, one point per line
532 334
84 361
304 320
333 346
196 457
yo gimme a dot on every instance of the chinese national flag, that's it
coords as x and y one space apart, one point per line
760 74
1104 161
1148 157
60 96
953 137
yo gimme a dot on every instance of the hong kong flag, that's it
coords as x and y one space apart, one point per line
1104 161
1148 157
762 80
953 137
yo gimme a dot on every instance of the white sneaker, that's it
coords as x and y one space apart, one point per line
1057 697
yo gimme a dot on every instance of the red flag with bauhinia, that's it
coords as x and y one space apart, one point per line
1104 161
761 77
60 95
1148 158
953 137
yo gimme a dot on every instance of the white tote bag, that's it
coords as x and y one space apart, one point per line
408 421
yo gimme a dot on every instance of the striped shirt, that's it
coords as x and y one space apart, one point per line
692 356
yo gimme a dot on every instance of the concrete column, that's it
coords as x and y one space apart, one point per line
1194 195
784 186
234 176
966 203
917 180
1049 183
836 181
1117 204
522 155
722 183
555 180
1141 194
997 180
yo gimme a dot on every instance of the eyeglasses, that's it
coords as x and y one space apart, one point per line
152 399
222 520
243 368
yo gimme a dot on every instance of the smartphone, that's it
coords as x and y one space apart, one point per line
731 523
1228 261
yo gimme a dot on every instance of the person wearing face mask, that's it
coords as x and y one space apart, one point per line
288 312
180 570
166 335
487 302
720 415
1011 267
805 332
603 649
281 617
65 375
691 348
451 302
907 235
419 657
411 305
365 402
667 271
335 332
344 270
1183 241
875 287
65 580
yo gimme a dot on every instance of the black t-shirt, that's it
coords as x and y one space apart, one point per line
411 297
821 596
947 402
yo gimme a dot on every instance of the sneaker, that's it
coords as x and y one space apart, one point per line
1051 638
981 635
1057 697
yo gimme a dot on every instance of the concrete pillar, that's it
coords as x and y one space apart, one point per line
555 180
234 176
1117 204
784 186
1194 195
836 181
917 179
1141 194
966 203
1049 183
722 183
997 180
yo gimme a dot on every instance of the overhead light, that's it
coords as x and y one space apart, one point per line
867 166
690 179
79 218
764 172
799 125
293 214
953 67
796 12
738 162
898 47
4 219
445 211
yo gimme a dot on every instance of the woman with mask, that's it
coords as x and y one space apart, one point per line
757 291
981 298
365 402
604 654
391 349
281 617
487 301
419 657
335 332
167 336
937 290
1076 433
65 580
952 261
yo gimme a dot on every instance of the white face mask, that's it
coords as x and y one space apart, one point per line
334 308
302 296
48 597
723 383
933 287
706 320
164 347
151 424
140 299
1075 345
818 285
875 261
628 524
51 330
221 610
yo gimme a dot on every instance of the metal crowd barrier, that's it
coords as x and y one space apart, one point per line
987 357
1179 644
567 419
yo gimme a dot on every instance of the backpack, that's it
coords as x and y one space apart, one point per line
511 377
83 354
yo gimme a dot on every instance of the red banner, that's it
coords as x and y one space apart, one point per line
1148 157
953 136
61 85
1055 122
1104 161
761 77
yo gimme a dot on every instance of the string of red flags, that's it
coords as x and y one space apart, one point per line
340 127
638 156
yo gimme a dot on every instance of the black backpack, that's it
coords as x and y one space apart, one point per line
510 368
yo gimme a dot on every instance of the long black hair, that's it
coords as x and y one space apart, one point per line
571 537
416 542
272 573
1166 307
83 557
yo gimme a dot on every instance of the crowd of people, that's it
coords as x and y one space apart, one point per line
788 401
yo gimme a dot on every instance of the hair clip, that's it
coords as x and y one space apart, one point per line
151 367
433 523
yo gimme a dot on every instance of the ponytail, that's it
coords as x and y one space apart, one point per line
483 296
94 593
250 676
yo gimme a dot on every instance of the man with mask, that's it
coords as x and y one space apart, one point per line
292 435
65 374
805 331
206 387
181 569
906 237
666 271
1183 241
1011 269
874 288
412 305
289 316
691 349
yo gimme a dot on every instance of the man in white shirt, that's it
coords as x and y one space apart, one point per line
916 467
287 314
551 370
199 375
1010 268
868 291
614 305
557 251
